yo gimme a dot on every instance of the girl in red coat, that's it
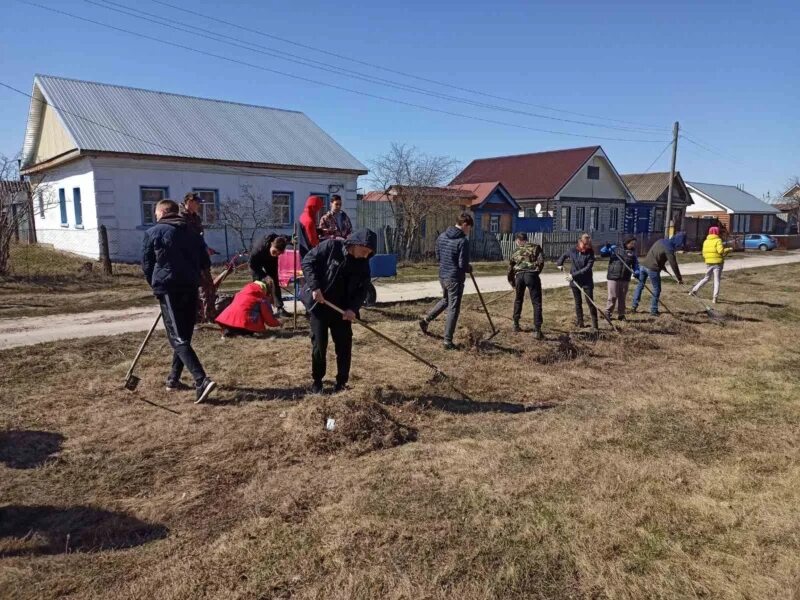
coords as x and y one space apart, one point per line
250 312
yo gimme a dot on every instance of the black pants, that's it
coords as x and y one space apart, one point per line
179 311
588 288
322 319
528 280
258 272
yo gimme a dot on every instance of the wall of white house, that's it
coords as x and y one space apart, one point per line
607 186
112 196
69 235
703 205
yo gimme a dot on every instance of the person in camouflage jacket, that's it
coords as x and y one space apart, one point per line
526 263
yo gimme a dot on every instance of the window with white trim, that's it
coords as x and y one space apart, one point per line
580 218
494 224
281 209
767 223
209 205
149 197
613 219
741 223
77 207
594 218
62 205
565 217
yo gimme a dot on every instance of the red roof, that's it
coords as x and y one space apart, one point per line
538 175
481 190
461 197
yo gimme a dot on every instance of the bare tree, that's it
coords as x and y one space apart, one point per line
250 213
409 174
16 206
791 201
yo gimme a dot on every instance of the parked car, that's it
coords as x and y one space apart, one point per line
761 241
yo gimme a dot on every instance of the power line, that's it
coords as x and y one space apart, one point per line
331 85
287 56
711 150
241 170
660 154
395 71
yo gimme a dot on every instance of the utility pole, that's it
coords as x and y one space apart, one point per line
668 218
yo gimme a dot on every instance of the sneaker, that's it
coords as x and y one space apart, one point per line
515 327
423 325
621 318
537 334
340 387
204 390
713 301
634 309
655 313
449 346
316 387
579 323
175 385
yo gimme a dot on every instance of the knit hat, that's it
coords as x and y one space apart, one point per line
713 230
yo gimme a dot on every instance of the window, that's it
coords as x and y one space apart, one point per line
565 217
150 196
529 213
76 203
741 223
594 218
62 204
326 202
658 220
209 205
768 223
40 198
592 172
613 219
282 209
494 224
580 218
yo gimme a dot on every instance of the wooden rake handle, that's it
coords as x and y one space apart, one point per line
480 297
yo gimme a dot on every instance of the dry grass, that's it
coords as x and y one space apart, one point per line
666 467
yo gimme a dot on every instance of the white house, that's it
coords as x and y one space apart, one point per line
735 209
108 153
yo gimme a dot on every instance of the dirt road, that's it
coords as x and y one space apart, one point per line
36 330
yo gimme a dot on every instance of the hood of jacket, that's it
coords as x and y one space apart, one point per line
454 232
677 241
313 205
174 220
363 237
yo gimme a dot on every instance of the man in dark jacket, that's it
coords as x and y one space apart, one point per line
452 252
173 257
336 271
207 294
662 252
264 263
526 263
622 264
582 259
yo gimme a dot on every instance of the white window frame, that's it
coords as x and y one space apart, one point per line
285 219
566 217
613 219
209 198
143 202
494 223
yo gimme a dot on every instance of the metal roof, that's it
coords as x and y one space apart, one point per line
111 118
732 198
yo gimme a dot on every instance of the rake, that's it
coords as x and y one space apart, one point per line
647 287
712 314
600 310
437 374
486 310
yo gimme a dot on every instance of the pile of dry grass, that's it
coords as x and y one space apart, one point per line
359 425
565 351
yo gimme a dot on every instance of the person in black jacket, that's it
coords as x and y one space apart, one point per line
264 263
582 259
173 258
336 271
622 265
452 252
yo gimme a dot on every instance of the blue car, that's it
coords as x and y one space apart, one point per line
761 241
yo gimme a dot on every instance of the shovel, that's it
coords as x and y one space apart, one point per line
131 380
486 310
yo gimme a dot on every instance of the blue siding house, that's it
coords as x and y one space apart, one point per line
647 213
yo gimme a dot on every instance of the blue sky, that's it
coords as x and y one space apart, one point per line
730 75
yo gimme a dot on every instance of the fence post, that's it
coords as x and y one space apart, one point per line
105 257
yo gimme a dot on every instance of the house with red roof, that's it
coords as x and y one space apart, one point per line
578 187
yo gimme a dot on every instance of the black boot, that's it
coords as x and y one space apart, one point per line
515 327
537 334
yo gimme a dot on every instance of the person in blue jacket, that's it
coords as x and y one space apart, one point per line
452 252
173 259
581 258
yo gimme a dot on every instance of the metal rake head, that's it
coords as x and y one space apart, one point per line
131 382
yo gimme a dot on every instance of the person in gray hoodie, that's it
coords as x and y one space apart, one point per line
452 252
661 253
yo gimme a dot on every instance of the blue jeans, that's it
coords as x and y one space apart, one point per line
655 280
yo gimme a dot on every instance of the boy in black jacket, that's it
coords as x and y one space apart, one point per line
264 263
173 258
336 271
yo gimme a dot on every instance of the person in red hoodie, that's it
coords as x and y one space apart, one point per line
309 237
250 312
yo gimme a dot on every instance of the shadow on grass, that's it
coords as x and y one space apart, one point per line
22 449
390 315
753 302
457 405
42 530
250 394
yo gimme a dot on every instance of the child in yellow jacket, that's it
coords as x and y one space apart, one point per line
714 253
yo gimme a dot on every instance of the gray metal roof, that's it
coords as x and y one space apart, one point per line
112 118
732 198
